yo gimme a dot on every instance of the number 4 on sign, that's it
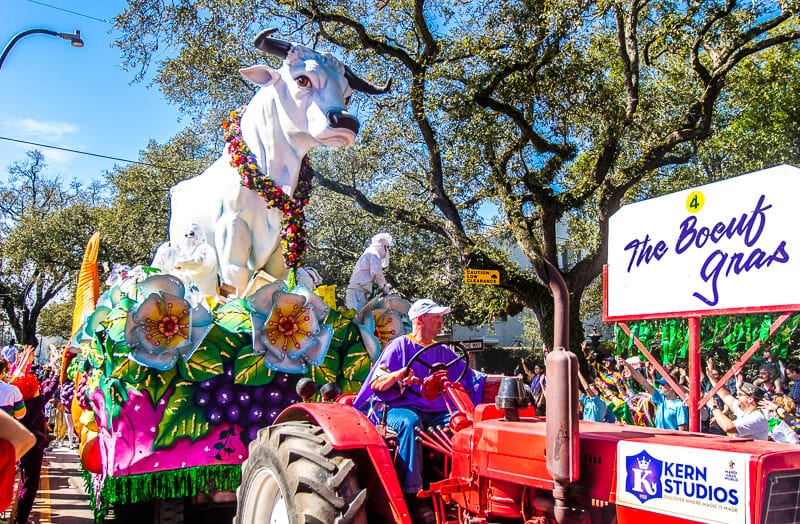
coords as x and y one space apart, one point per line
695 201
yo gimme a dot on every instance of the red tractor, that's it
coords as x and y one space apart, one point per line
327 463
498 462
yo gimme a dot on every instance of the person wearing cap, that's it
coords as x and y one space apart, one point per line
391 383
750 421
671 412
367 279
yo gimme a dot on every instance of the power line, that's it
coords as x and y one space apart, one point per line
71 12
168 168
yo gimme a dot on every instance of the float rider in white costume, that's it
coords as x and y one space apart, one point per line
367 278
197 261
193 259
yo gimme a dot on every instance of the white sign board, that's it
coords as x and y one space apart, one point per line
697 484
721 248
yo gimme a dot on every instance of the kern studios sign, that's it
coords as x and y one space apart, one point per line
728 247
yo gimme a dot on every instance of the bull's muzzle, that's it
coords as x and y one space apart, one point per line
341 119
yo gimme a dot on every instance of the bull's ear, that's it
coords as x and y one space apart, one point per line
260 75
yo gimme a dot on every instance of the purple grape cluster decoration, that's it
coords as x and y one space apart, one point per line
249 407
66 394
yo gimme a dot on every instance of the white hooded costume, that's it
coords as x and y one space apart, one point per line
368 272
193 261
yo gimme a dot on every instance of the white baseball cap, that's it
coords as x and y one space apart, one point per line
424 306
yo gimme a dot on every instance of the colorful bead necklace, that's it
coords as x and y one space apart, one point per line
293 231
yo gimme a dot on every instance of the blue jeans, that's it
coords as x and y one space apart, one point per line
409 451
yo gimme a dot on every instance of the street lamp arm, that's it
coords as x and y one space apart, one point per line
74 38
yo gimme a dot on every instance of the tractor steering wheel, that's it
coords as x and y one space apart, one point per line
457 348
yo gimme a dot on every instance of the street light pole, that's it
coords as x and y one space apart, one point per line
74 38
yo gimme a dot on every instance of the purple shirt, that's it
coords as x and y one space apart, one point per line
396 356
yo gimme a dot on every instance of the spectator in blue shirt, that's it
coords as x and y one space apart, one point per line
671 412
594 407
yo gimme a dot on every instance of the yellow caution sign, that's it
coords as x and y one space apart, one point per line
489 277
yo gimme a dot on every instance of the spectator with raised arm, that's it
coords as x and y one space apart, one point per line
594 407
750 421
783 425
671 412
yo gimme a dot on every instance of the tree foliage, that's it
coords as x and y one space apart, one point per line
545 111
136 220
44 230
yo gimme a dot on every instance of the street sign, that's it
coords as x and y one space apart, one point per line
482 276
472 345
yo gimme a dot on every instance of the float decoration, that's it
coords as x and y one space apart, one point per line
165 325
288 329
293 230
162 485
172 386
736 332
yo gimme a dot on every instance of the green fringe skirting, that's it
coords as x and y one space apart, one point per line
159 485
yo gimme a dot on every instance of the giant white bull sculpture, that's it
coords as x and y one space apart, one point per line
301 105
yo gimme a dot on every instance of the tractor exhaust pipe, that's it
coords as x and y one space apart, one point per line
561 424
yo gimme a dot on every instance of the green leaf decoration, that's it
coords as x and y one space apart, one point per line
156 383
115 321
75 366
356 364
115 395
326 372
345 332
349 386
205 363
233 317
735 333
130 372
182 419
93 351
250 370
228 344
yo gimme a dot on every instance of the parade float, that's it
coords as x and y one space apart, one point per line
176 366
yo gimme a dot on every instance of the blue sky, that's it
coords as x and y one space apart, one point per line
81 99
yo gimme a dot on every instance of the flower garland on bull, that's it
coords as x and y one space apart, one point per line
293 222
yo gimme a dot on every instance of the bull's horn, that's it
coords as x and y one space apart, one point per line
272 46
362 85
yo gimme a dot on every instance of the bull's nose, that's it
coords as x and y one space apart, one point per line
341 119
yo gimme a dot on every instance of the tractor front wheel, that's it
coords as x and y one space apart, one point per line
294 476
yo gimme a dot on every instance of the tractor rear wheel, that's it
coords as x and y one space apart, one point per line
294 476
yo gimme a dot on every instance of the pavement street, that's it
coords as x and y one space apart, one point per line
61 498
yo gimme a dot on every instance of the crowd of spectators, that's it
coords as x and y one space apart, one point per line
29 403
762 405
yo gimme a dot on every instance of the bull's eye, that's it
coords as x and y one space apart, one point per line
347 101
303 81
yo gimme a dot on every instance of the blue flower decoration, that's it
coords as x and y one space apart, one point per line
288 328
165 325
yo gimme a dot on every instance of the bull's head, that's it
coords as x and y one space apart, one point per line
320 86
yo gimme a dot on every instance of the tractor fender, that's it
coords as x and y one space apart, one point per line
346 428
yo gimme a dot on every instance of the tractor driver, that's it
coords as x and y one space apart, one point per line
397 386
